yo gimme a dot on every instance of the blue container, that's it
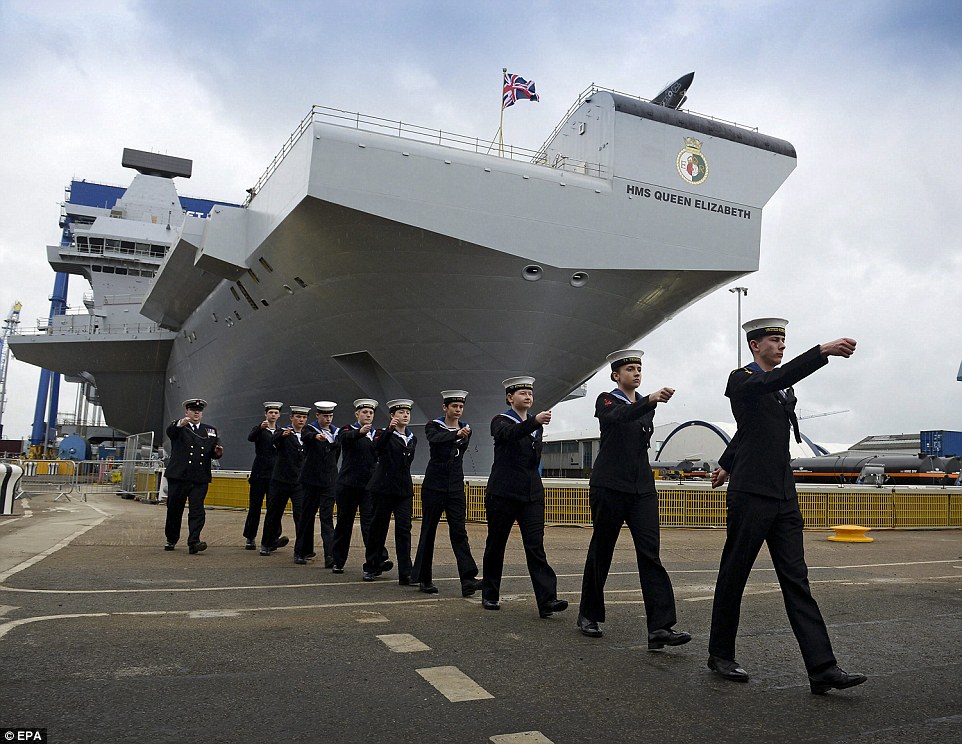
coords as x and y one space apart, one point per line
939 443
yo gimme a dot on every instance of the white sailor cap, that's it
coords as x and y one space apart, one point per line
273 405
399 403
300 410
624 356
324 406
365 403
764 327
198 403
453 396
524 382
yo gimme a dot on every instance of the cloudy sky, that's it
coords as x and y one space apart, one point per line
863 239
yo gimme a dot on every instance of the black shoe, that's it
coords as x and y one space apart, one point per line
265 550
250 545
169 546
590 628
310 556
369 576
385 567
196 547
328 562
834 678
428 588
300 561
490 604
728 669
405 581
469 587
667 637
281 542
550 608
336 569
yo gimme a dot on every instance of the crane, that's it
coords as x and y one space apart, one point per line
819 415
10 326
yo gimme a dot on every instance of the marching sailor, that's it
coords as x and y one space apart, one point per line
262 467
192 447
442 492
515 494
317 479
622 491
289 443
392 492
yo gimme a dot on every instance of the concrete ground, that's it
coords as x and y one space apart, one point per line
105 637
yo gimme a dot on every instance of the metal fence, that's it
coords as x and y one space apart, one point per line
70 479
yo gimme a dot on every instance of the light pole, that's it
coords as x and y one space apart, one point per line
738 334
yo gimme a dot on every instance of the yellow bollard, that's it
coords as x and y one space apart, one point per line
851 533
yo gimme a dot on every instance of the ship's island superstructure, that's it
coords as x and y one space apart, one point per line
379 259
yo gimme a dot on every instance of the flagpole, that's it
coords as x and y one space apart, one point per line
504 71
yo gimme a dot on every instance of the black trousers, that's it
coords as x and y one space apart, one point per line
318 500
350 499
180 493
277 497
502 514
433 505
751 521
386 504
611 509
258 492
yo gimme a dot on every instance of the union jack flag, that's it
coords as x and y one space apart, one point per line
516 87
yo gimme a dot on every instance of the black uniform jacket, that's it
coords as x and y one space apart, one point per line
517 454
357 457
626 429
191 452
290 456
392 474
445 471
264 453
320 458
758 456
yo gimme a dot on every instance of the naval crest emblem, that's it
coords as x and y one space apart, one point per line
691 162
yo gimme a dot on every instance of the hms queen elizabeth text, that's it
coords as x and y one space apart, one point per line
693 202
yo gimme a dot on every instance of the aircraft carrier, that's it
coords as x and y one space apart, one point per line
376 258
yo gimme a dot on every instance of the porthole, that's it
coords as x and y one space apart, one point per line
579 279
532 273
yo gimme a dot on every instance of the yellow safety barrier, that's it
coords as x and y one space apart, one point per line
696 504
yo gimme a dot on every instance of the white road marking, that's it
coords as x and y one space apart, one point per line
522 737
370 617
4 609
212 613
402 643
50 551
454 684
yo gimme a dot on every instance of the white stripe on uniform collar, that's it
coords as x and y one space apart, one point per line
618 393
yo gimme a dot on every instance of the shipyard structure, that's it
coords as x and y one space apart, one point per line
376 259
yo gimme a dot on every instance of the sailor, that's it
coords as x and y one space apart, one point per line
261 469
284 487
515 494
763 504
622 491
442 492
357 465
317 479
392 492
192 447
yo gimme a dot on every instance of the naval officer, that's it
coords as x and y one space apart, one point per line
442 492
193 445
321 450
357 465
262 467
763 504
285 486
392 492
515 494
622 491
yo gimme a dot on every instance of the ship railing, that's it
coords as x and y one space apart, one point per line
45 329
418 133
593 88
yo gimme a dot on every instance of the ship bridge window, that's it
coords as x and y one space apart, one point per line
108 269
128 246
82 242
120 270
154 250
95 267
263 262
97 243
